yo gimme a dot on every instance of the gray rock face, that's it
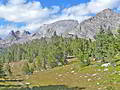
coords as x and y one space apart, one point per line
106 20
15 38
62 27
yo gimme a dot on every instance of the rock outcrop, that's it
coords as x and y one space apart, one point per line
62 27
106 20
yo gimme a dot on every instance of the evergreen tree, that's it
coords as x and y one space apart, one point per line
2 73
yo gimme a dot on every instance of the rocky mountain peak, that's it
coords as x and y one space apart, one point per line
13 35
107 13
0 38
108 10
11 32
61 27
26 33
107 19
17 33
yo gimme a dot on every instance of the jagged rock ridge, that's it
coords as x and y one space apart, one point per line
106 19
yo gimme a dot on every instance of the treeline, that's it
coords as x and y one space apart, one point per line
51 52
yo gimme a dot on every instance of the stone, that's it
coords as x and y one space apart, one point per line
80 76
72 71
27 83
85 76
89 79
98 83
106 69
60 75
94 74
106 65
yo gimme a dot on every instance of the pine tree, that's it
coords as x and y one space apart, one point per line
2 73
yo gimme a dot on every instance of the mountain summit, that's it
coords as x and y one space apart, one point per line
106 20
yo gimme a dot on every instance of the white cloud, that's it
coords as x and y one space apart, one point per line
4 30
34 14
19 11
92 7
83 11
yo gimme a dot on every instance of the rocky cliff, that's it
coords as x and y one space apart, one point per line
106 20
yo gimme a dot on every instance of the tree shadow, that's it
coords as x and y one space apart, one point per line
50 87
7 86
11 80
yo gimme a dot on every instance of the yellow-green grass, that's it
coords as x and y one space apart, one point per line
73 75
91 77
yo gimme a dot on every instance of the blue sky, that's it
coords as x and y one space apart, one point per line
62 3
49 3
31 14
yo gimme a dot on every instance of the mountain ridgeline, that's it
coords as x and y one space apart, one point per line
106 20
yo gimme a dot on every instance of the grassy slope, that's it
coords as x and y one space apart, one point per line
73 75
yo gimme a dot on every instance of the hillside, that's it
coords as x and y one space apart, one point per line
69 77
